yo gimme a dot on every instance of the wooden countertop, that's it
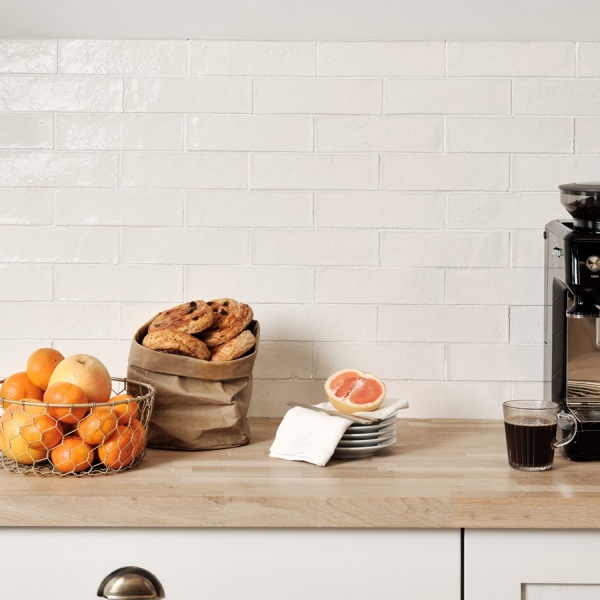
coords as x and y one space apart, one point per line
439 474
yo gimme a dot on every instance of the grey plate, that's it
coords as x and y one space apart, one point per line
362 452
357 428
369 435
365 443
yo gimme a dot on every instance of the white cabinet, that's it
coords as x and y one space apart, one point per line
531 565
228 564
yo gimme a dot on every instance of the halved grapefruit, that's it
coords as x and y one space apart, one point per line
351 390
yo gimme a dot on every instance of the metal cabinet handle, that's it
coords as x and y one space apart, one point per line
131 583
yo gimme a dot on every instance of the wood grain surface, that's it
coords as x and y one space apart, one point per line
439 474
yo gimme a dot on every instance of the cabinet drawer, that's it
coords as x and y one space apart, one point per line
221 564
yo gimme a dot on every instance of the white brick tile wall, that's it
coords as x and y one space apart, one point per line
379 204
123 57
28 56
511 59
25 130
447 96
258 58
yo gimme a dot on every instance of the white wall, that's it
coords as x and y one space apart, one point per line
379 204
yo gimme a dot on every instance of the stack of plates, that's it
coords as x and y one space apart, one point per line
366 440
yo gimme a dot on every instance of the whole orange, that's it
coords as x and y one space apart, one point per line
18 387
66 393
139 437
28 432
125 411
94 428
117 451
40 365
72 455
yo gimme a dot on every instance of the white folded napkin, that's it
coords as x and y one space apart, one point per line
312 437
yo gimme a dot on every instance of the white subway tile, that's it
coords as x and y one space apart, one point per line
588 57
379 210
387 361
533 390
246 208
452 399
119 132
184 170
270 397
452 172
23 206
317 96
250 132
527 248
379 286
279 58
587 135
65 169
555 97
314 247
377 59
511 59
379 134
271 170
527 324
122 57
495 362
110 283
44 93
447 96
508 287
26 130
129 208
188 94
498 211
59 321
444 248
284 360
251 284
14 353
176 246
59 244
27 56
425 323
509 134
314 323
26 283
545 172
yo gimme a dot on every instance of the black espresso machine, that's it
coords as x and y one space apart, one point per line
572 317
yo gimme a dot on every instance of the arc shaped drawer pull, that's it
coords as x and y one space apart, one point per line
131 583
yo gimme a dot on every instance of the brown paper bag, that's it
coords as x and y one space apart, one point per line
199 405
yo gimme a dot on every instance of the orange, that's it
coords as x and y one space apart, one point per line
28 432
351 390
126 411
66 393
139 437
94 428
41 364
117 451
17 387
72 455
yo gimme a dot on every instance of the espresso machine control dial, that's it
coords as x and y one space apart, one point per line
593 263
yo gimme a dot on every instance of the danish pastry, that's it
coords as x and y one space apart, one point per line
176 342
191 317
230 318
234 348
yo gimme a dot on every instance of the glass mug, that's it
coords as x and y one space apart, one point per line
530 427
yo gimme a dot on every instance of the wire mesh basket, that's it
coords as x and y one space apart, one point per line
96 438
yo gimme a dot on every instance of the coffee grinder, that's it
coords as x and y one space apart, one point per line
572 317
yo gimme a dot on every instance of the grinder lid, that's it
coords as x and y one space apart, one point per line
582 201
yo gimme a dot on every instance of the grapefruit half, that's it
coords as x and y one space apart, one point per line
351 390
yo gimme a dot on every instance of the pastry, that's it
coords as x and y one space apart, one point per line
191 317
230 318
176 342
234 348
